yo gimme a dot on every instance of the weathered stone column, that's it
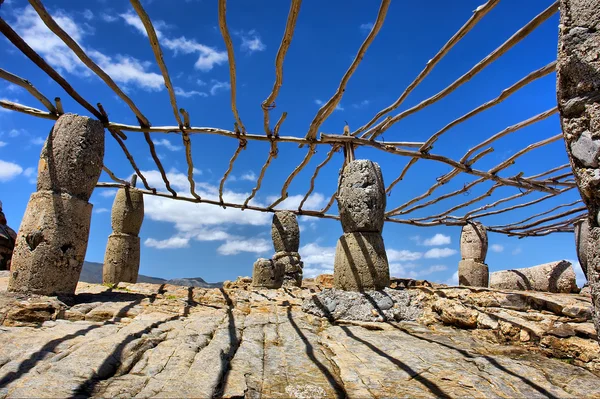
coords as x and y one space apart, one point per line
122 256
472 270
582 234
52 240
578 92
286 240
360 259
267 274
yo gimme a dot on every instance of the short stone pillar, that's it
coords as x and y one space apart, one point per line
52 240
582 234
361 262
122 256
267 274
578 92
286 240
472 270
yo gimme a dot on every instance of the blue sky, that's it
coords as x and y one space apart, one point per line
185 240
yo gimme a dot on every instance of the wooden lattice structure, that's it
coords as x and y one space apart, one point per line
552 183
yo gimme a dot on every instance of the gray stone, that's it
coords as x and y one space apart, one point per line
285 232
51 244
474 242
593 259
121 259
267 274
472 273
292 266
586 150
550 277
581 241
72 157
361 262
361 197
128 211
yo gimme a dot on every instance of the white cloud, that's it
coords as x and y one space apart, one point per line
251 42
108 193
366 27
181 92
497 248
361 104
402 255
412 270
16 132
37 141
88 14
314 201
517 251
129 70
321 103
169 243
317 259
3 144
9 170
579 276
167 144
108 18
452 280
101 210
200 82
31 174
249 176
438 239
218 86
253 245
436 253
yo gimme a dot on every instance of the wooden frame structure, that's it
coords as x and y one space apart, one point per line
553 182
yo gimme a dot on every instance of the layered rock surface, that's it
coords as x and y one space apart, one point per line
146 340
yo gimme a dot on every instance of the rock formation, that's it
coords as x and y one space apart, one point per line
267 274
582 234
122 256
286 240
549 277
472 270
52 240
360 259
578 92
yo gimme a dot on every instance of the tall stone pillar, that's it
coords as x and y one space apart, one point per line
52 240
578 92
472 270
122 256
361 262
286 240
582 234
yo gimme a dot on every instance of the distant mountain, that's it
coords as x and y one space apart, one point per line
92 273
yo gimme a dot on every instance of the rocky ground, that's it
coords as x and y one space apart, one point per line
147 340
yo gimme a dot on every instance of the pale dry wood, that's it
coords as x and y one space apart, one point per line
114 177
278 124
27 110
19 43
288 181
488 193
158 54
330 203
187 143
333 150
548 219
19 81
494 55
231 58
272 155
511 160
61 111
118 139
158 163
238 150
478 14
288 34
507 226
328 108
81 54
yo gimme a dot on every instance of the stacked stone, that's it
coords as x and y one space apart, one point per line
361 262
52 240
582 234
578 92
286 240
472 270
122 256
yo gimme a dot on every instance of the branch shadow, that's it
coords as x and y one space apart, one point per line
234 344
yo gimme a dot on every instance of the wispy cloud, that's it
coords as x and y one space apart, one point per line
253 245
217 87
37 141
436 253
402 255
3 144
366 28
248 176
497 248
251 42
9 170
438 239
183 93
169 243
320 103
101 210
361 104
167 144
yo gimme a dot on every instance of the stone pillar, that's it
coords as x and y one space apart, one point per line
267 274
582 234
286 240
52 240
122 257
360 259
472 270
578 93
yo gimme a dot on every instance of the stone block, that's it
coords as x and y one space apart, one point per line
472 273
292 267
361 197
267 274
285 232
72 157
582 233
361 263
51 244
473 242
128 211
121 259
550 277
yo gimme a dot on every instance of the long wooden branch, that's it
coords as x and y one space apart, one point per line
288 181
158 54
510 160
507 226
238 150
113 176
81 54
272 154
187 143
547 219
158 163
19 81
494 55
333 102
19 43
115 134
478 14
27 110
227 38
288 34
333 150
